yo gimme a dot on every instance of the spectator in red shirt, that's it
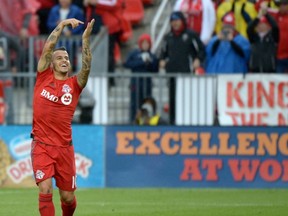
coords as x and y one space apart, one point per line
282 20
110 14
19 18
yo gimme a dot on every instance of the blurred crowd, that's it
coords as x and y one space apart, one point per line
210 37
252 25
206 36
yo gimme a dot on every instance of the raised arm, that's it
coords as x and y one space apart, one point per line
46 56
82 76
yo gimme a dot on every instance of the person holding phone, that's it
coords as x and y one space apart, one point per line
229 51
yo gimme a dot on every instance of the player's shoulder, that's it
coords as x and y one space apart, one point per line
46 73
47 70
73 80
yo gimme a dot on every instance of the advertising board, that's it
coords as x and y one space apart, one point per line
233 157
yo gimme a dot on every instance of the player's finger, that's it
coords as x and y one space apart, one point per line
75 22
78 21
90 24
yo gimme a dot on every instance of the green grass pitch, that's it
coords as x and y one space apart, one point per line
155 202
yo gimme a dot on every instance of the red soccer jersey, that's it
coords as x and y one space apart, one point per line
53 108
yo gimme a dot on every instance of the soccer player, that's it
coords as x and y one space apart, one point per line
55 98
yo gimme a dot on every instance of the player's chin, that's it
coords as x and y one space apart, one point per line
64 71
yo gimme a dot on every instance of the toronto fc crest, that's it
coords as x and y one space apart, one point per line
66 88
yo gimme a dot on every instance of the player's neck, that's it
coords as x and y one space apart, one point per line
60 76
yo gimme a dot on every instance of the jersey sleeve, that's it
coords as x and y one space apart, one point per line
41 77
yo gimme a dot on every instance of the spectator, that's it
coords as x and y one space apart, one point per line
141 60
182 52
13 46
19 18
9 44
200 16
229 51
110 14
282 20
263 34
65 10
147 114
243 10
43 13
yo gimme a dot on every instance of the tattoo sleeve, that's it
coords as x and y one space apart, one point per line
50 43
86 63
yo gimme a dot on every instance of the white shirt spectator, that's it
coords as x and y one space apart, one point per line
208 16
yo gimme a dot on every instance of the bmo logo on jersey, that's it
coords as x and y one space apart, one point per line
66 98
49 96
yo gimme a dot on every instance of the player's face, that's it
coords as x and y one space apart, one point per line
60 61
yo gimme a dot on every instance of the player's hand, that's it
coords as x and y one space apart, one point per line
88 29
73 22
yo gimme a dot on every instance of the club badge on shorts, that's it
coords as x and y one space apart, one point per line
66 98
39 174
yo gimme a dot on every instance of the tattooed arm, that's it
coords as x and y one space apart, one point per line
82 76
46 56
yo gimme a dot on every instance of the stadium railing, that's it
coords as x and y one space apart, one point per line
195 97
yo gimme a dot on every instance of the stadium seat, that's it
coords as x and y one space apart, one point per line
134 11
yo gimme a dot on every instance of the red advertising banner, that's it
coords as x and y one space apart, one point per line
253 100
